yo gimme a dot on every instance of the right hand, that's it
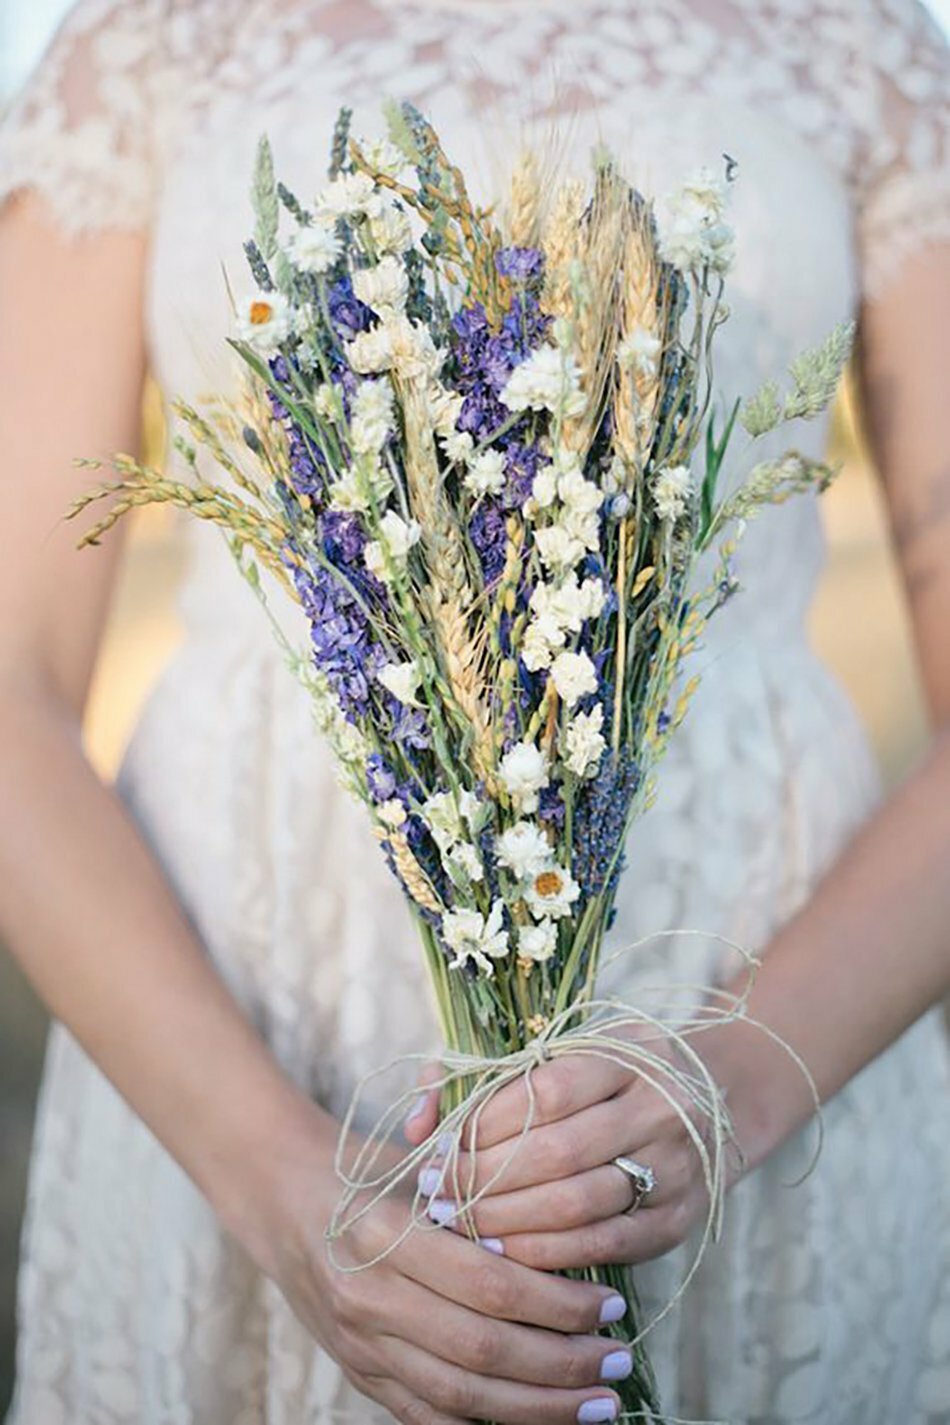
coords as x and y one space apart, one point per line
443 1331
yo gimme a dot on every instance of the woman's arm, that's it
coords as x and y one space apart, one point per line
864 958
442 1329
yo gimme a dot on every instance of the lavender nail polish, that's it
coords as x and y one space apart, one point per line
492 1244
617 1366
592 1412
418 1108
430 1180
441 1210
612 1309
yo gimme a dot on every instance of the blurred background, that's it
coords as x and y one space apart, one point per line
859 624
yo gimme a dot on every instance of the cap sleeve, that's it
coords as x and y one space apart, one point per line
80 132
903 176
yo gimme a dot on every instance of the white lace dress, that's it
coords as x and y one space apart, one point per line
828 1302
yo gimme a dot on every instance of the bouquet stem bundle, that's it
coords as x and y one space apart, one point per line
481 454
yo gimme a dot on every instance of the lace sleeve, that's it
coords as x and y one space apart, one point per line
80 132
903 175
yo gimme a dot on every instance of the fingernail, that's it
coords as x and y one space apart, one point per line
611 1310
493 1244
418 1108
617 1366
430 1180
593 1411
441 1210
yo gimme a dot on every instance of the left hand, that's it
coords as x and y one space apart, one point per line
561 1202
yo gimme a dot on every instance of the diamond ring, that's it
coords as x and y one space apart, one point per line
642 1177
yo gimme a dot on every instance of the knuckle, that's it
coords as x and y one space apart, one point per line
461 1396
478 1346
491 1290
416 1412
552 1091
576 1367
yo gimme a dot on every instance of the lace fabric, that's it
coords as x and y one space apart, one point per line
828 1303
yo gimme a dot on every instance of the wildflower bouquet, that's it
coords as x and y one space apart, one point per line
480 452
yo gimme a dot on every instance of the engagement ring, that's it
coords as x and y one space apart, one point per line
641 1175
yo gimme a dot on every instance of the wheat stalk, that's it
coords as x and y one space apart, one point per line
637 386
413 877
560 243
525 200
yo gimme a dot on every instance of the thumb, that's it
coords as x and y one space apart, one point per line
423 1116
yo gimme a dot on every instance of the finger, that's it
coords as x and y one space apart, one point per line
508 1350
465 1393
464 1272
589 1139
571 1202
553 1091
643 1235
407 1407
423 1116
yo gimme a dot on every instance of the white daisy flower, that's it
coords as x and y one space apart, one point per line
523 849
537 942
458 445
264 321
486 473
574 676
584 742
551 893
472 936
349 195
524 772
547 380
314 247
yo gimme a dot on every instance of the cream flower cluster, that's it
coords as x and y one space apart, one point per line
391 551
547 380
454 822
546 888
672 487
696 234
472 936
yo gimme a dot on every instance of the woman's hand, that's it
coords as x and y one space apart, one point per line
441 1330
559 1200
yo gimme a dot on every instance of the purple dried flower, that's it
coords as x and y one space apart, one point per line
521 264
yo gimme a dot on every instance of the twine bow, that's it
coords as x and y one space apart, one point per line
597 1028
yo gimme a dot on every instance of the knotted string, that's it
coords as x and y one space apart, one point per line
598 1028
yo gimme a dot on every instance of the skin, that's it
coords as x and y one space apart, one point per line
866 956
443 1330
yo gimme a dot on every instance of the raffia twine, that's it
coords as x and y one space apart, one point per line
596 1029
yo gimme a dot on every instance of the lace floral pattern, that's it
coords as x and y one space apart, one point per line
828 1303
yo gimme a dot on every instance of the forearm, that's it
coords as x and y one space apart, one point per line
865 957
87 911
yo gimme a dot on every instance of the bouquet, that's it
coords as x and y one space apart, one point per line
480 450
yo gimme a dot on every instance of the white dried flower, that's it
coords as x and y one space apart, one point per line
371 350
264 320
445 407
472 936
551 893
584 741
544 486
574 676
580 495
402 680
397 537
363 485
486 473
392 813
326 401
314 247
524 772
464 858
458 446
390 229
558 547
695 234
349 195
384 287
671 491
543 637
523 849
640 351
547 380
537 942
382 155
569 603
